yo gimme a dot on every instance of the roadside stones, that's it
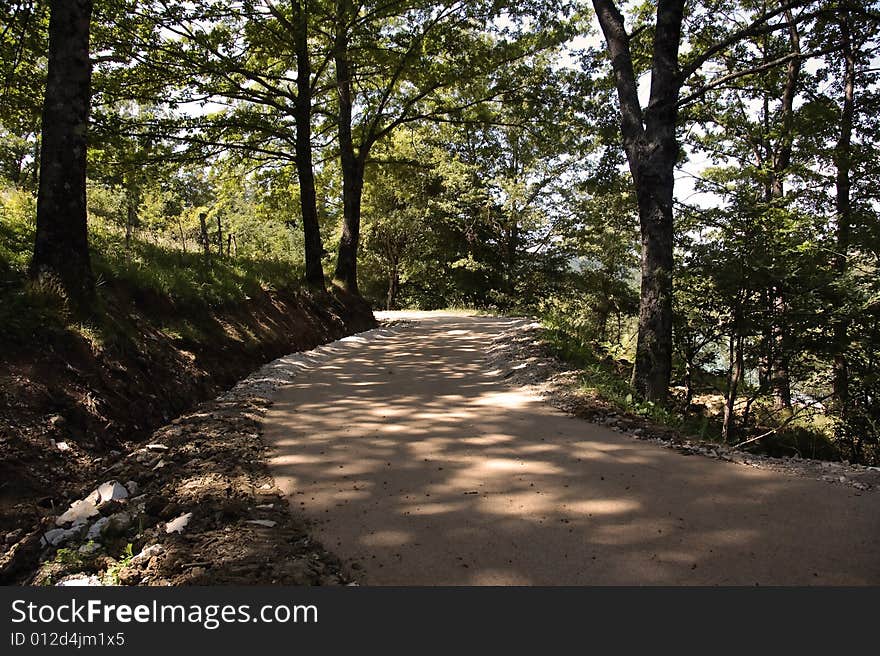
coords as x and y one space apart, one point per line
58 536
267 523
80 580
147 553
89 549
14 536
178 524
108 499
117 524
79 511
96 530
112 491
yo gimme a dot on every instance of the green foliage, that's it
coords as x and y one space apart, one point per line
493 179
150 265
111 575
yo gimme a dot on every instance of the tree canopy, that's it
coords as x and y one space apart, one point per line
688 188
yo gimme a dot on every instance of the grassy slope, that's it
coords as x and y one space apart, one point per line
169 331
607 378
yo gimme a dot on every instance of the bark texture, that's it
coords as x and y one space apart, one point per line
652 149
352 162
61 246
843 206
314 249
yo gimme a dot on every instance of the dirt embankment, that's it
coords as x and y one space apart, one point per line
73 402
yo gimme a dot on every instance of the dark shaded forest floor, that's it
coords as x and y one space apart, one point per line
75 400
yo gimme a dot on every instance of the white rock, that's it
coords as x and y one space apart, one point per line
148 552
177 524
157 447
112 491
79 511
268 523
80 580
63 446
96 529
58 536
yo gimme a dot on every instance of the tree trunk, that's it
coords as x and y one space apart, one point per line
206 242
352 163
393 287
130 222
182 234
352 188
653 366
781 162
843 208
735 375
689 379
314 249
652 150
61 246
219 236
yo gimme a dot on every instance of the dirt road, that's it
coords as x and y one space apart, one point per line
420 466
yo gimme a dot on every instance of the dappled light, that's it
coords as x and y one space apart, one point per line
422 466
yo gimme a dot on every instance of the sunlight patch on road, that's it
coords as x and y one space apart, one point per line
387 538
439 508
528 506
507 399
498 577
603 507
506 466
487 440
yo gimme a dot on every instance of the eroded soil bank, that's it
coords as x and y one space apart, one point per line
75 404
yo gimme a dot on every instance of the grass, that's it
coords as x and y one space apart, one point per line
111 576
607 378
181 284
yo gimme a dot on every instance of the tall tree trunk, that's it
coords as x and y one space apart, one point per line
61 246
206 241
843 208
734 378
393 286
653 365
352 163
781 163
314 249
130 222
182 233
652 150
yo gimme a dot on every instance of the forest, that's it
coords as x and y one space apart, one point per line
685 193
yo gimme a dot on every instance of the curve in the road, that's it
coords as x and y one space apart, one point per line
419 466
